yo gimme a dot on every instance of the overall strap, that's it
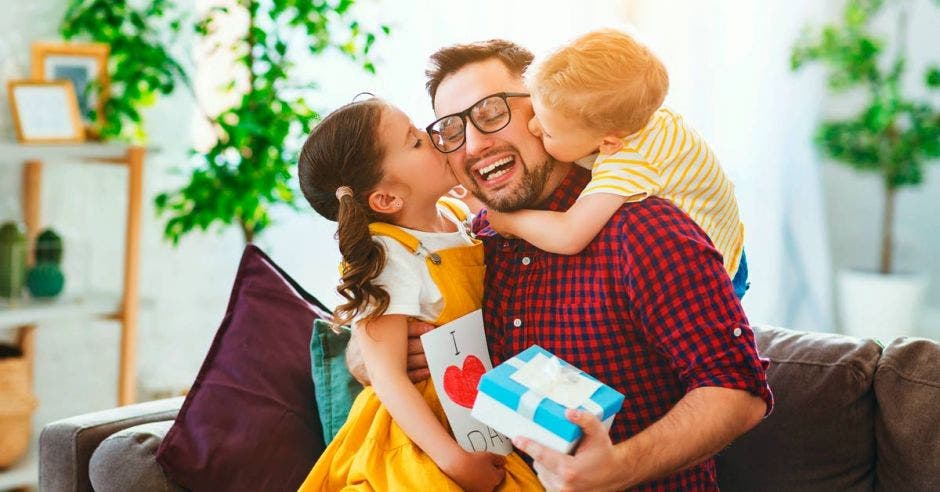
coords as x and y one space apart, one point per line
397 233
456 207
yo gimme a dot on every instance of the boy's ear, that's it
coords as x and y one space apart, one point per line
384 202
610 144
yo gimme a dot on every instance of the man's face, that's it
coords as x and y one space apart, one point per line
508 169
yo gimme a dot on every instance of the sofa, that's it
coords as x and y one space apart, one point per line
850 414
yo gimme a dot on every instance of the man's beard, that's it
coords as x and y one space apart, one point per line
525 194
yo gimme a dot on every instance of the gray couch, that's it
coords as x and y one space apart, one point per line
850 415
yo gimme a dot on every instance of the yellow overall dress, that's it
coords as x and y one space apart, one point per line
371 452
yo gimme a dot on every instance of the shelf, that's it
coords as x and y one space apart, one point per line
25 473
32 312
16 153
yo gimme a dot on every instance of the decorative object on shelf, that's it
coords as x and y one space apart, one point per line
86 66
17 401
45 112
250 166
45 278
12 260
895 135
141 36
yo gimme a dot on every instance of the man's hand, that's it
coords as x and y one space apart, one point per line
417 362
593 466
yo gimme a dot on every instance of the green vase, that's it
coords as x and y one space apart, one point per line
12 260
45 280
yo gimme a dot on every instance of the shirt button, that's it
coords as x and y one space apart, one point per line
737 332
526 260
517 322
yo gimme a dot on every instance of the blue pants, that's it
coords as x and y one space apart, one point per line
739 281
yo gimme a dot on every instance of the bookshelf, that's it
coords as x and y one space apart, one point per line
26 315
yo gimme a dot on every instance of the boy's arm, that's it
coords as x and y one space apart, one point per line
564 233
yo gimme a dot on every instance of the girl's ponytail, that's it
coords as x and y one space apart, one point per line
363 260
339 166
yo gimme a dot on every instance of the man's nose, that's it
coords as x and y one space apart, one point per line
534 127
476 141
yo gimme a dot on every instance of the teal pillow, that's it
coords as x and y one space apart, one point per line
334 386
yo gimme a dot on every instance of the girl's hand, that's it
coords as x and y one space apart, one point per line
477 472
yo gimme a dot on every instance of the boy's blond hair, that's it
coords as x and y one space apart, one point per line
605 79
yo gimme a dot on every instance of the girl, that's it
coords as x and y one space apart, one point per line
406 253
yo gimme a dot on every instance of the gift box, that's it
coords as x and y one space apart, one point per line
528 395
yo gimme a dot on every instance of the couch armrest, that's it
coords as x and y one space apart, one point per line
66 446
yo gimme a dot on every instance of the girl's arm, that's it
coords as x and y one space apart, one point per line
384 345
565 233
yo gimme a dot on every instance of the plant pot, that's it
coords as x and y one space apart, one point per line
880 306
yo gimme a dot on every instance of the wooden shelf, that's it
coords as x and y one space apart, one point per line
16 153
124 307
38 311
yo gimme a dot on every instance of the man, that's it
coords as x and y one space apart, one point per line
646 308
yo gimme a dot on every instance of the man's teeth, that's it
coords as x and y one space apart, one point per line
489 169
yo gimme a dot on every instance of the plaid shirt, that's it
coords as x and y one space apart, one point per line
647 308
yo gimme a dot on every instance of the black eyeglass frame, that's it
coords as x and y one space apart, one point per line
465 115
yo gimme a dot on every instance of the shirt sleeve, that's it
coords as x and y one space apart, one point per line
626 173
683 299
400 279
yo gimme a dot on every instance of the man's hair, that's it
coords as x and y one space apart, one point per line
605 80
450 59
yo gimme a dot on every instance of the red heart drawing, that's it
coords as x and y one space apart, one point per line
461 384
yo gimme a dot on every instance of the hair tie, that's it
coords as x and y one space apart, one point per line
343 191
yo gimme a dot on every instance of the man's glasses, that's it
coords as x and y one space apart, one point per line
489 115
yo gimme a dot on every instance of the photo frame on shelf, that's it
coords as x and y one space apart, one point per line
86 66
45 111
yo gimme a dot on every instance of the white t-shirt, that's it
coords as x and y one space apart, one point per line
406 278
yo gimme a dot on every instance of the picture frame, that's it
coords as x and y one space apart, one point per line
45 111
86 66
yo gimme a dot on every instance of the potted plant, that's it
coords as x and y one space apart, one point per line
249 168
894 135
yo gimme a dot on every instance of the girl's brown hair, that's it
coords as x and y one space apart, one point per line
344 150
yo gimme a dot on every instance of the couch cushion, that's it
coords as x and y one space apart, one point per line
820 435
907 425
250 420
126 460
334 386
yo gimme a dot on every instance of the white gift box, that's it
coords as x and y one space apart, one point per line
528 395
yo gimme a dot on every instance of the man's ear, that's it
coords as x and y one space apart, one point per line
384 202
610 144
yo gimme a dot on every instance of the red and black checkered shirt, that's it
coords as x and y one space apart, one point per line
646 308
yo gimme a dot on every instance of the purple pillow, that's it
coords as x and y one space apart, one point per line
250 420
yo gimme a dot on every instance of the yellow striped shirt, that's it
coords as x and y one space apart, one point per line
668 159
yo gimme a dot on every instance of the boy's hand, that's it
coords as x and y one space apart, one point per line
501 222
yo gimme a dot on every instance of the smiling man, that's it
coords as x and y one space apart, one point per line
647 307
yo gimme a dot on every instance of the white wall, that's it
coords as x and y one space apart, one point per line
854 200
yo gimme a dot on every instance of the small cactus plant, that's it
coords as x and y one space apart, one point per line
45 278
48 247
12 260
